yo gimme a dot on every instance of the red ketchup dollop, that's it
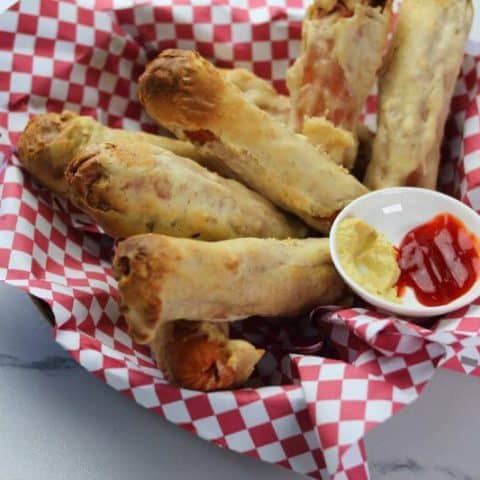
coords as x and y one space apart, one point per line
439 260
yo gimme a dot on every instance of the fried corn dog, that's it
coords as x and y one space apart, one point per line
416 90
201 356
162 278
130 188
343 45
186 94
51 140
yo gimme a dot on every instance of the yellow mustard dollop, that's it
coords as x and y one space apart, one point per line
368 258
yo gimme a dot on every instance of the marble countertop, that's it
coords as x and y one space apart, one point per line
57 422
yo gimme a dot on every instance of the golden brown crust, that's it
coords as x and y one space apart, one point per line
260 151
47 145
88 180
187 86
131 188
200 355
162 279
132 268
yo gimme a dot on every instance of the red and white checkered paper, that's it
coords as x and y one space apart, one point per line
308 413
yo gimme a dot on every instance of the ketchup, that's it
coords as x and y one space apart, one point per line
439 260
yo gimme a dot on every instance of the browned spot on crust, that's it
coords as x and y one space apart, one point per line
346 9
34 149
83 175
139 266
79 162
89 175
339 8
152 311
180 87
139 261
40 131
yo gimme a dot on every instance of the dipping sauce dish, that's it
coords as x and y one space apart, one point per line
436 239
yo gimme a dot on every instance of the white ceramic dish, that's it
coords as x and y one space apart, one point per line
394 212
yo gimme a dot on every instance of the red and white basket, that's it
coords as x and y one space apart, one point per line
305 412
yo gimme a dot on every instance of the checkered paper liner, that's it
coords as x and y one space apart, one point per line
308 413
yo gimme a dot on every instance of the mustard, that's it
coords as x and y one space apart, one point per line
368 258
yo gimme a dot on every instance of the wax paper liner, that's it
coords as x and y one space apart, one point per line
304 412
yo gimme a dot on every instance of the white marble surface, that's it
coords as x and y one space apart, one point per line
58 422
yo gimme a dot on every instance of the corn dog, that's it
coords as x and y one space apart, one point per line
161 279
130 188
343 45
416 90
187 95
